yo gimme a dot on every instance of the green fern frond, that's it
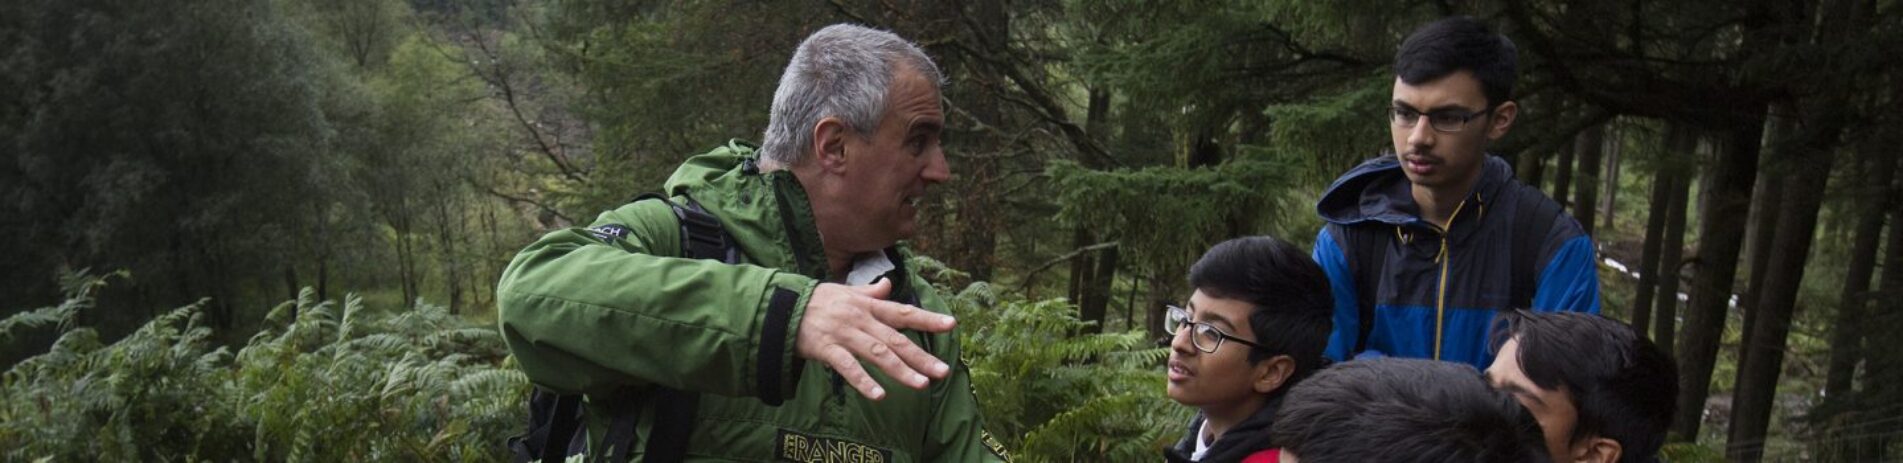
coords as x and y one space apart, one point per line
35 318
489 383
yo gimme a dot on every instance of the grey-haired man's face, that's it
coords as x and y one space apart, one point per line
891 167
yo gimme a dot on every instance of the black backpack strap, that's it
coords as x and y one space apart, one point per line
553 422
702 236
556 418
1366 251
674 411
1534 220
624 415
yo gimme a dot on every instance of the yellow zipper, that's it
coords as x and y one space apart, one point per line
1440 297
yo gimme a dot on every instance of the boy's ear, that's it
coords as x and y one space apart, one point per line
1598 450
1502 120
1271 374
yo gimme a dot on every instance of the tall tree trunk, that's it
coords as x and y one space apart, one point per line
405 259
1767 203
1671 253
494 273
1773 305
1531 167
290 280
1838 19
1615 148
1161 287
447 257
1590 146
1846 340
1883 367
972 237
1130 304
323 278
1649 268
1846 336
1768 195
1098 269
1563 174
1080 267
321 246
1763 348
1726 201
1096 302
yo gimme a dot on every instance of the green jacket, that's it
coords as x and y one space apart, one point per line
605 309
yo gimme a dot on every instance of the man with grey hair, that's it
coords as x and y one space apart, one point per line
793 288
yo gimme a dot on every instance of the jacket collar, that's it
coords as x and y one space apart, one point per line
1378 192
761 210
1247 437
767 210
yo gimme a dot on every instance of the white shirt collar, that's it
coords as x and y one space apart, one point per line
1202 442
869 266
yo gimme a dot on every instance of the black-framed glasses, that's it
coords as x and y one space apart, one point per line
1444 121
1206 337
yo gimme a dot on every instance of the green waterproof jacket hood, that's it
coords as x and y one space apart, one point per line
609 311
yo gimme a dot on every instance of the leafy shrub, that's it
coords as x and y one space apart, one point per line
1051 394
321 382
342 382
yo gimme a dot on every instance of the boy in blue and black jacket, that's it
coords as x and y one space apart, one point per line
1424 245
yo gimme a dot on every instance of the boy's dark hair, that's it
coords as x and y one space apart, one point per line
1294 310
1624 387
1405 410
1459 42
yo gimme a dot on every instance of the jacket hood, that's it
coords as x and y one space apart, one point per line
1377 191
706 169
763 210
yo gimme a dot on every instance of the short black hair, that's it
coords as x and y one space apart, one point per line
1624 386
1454 43
1294 310
1405 410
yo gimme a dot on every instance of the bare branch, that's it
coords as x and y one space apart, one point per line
1079 252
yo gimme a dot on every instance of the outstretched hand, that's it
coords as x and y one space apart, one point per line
844 324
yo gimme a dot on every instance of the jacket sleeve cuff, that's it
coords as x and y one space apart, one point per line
778 363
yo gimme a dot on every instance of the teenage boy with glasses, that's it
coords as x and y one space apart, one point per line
1425 244
1256 325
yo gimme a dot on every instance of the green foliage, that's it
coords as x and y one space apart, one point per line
79 287
1338 130
667 81
1687 452
322 382
162 138
344 382
1167 216
363 32
242 149
1051 394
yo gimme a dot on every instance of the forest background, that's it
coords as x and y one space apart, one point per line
270 229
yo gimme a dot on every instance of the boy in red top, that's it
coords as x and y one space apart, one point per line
1256 325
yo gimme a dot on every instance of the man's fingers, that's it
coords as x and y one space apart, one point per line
883 355
848 368
877 290
838 331
916 359
902 316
